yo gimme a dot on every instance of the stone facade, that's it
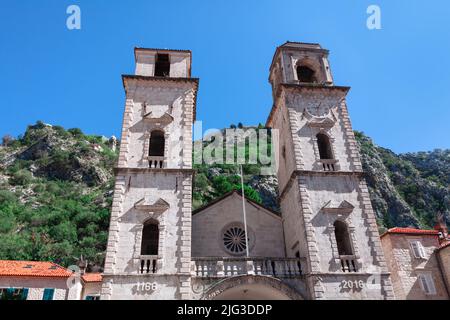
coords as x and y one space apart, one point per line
264 228
443 256
296 256
37 285
91 289
406 268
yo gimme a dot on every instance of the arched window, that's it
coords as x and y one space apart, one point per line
343 242
150 239
157 142
306 74
323 142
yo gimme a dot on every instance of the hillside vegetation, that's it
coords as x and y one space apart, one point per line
55 195
56 191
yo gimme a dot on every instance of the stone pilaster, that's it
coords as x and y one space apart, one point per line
188 118
294 125
125 140
106 292
113 237
185 238
374 238
352 147
316 289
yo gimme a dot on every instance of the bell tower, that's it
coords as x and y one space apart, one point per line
327 213
149 246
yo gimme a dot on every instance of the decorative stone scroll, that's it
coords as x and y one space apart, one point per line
344 207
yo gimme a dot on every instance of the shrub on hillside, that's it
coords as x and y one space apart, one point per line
22 177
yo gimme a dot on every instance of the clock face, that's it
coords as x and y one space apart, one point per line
318 110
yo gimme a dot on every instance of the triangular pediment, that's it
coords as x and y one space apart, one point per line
236 196
159 205
326 121
165 118
342 207
321 122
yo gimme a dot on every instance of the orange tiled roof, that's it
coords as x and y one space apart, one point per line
33 269
398 230
92 277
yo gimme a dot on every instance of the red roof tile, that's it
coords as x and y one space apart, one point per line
398 230
33 269
92 277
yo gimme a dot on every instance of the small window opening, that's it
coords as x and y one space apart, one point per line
342 239
162 65
323 142
305 74
157 142
150 239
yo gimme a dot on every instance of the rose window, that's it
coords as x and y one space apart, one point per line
234 239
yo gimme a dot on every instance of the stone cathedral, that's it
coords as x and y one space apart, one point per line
325 243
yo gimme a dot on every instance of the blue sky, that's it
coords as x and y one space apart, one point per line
400 75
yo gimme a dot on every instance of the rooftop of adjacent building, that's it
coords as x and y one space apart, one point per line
92 277
16 268
398 230
33 269
439 231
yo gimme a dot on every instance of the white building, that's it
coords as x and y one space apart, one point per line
418 263
35 280
325 244
91 286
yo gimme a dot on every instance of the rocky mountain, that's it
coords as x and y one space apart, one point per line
407 189
55 195
56 191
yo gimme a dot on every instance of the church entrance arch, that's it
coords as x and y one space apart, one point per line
248 287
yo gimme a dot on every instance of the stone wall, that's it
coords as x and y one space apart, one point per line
286 159
36 286
163 98
405 268
91 289
444 256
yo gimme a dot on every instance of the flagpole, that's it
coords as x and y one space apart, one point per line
245 214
